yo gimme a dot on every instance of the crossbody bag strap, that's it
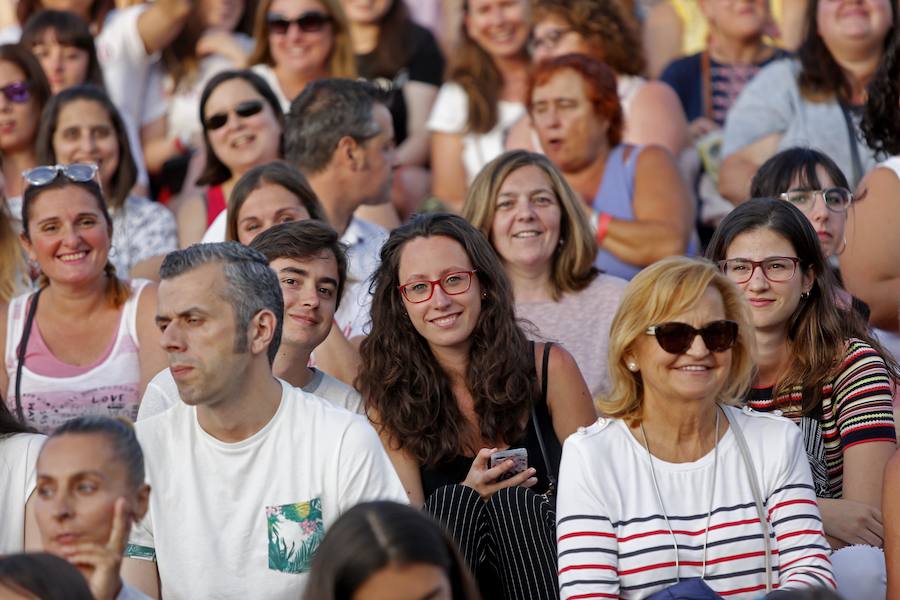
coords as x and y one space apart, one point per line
20 354
854 147
545 363
757 494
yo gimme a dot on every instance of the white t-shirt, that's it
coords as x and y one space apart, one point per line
18 456
216 232
243 520
161 393
268 74
363 241
450 114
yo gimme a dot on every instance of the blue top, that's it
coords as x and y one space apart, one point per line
615 197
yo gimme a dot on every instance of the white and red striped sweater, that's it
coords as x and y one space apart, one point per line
613 541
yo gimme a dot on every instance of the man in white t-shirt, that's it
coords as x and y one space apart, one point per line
340 135
247 472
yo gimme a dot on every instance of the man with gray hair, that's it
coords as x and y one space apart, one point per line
340 135
247 471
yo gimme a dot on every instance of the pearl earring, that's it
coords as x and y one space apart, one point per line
632 366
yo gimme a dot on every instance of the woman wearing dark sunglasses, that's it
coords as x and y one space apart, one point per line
449 379
299 41
669 489
86 341
242 128
819 366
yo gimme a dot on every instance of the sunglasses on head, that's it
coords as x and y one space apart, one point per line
17 91
677 338
243 110
308 22
76 172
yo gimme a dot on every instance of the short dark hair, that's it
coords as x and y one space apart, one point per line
215 171
373 535
251 286
276 172
301 240
775 175
326 111
45 576
121 436
70 30
124 178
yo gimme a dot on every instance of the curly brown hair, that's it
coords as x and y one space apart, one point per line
405 388
881 119
615 37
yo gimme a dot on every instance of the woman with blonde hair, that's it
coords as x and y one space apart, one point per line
538 227
299 41
681 356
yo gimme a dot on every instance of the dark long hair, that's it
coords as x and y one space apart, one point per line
126 173
392 51
818 330
9 424
69 30
881 119
43 576
374 535
775 175
31 68
821 77
400 378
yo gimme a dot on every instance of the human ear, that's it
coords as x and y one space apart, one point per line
262 331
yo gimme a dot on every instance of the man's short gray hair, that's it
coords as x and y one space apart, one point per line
251 285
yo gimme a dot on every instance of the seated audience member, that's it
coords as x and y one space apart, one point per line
90 490
534 221
19 447
672 29
312 269
242 128
870 267
385 549
811 100
819 366
449 378
393 51
14 278
602 30
484 96
269 195
41 576
81 124
890 509
321 30
85 342
274 464
641 207
681 357
340 136
24 92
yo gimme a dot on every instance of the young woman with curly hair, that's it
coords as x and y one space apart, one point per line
812 100
449 379
601 30
870 266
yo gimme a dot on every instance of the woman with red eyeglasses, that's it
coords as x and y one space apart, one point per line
818 365
299 41
449 380
242 126
24 92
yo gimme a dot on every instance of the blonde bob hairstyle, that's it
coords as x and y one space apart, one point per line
666 288
573 263
341 61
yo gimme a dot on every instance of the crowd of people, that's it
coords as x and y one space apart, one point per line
449 299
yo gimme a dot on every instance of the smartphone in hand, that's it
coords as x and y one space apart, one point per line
519 456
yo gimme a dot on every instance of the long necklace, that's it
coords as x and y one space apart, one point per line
662 507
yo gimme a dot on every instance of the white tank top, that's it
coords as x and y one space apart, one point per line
111 388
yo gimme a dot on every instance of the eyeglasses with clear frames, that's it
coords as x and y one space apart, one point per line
776 269
453 284
836 199
549 41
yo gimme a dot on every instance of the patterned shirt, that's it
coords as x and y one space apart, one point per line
856 409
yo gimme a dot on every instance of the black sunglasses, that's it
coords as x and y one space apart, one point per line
308 22
676 338
244 110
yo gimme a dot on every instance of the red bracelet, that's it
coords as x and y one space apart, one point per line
603 227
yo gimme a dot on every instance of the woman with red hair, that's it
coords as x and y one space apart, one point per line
642 210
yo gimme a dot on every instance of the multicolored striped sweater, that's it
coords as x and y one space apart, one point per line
856 409
613 541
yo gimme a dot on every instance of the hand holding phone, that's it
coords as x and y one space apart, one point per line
519 456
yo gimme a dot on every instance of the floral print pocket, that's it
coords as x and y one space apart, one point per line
295 532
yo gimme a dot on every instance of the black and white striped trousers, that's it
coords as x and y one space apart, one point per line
509 541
